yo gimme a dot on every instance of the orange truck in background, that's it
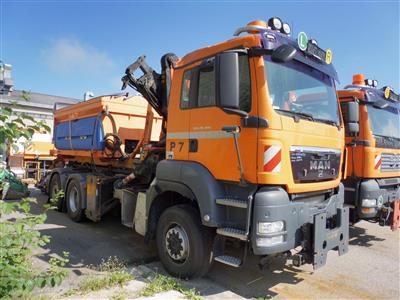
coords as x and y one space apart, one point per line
372 184
251 151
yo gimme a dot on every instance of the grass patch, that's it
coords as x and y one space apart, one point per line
116 278
114 273
119 296
163 283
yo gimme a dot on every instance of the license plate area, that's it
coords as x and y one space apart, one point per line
312 166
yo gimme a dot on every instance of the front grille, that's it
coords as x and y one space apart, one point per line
390 162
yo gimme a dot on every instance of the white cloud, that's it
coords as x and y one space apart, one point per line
68 55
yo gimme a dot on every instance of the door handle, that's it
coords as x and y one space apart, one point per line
193 145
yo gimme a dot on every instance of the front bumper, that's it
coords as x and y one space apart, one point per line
382 189
317 227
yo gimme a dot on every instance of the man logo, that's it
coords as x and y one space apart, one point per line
320 165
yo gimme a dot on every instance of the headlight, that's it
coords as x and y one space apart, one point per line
269 241
368 203
270 227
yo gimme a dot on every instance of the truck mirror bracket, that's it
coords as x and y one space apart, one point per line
254 122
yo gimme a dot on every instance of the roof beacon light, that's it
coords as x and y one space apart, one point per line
368 82
314 42
358 79
257 24
375 83
253 27
275 23
286 29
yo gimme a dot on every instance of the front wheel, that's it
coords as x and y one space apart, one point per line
74 200
184 244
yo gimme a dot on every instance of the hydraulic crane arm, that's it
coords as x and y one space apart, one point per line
149 84
153 86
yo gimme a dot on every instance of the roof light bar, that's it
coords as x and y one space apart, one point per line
286 29
275 23
371 82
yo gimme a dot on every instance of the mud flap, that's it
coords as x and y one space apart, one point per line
326 239
395 220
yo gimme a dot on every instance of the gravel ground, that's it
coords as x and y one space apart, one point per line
370 270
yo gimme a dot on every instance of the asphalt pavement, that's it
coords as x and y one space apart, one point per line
370 270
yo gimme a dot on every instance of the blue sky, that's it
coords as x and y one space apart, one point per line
68 47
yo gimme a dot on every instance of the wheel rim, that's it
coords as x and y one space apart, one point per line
54 190
73 199
177 243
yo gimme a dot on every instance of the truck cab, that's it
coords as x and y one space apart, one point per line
372 184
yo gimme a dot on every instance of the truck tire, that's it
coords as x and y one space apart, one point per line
54 187
73 198
184 244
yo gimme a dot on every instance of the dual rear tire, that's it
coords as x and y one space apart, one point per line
74 198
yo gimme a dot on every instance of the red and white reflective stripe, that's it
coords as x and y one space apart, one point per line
272 158
378 161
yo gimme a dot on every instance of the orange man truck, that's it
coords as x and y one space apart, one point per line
250 151
372 184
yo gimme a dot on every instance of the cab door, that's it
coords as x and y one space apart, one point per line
209 145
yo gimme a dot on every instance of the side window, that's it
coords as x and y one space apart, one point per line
244 84
206 95
198 85
185 95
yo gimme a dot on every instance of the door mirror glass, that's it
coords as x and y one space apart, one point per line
351 117
352 129
227 66
350 111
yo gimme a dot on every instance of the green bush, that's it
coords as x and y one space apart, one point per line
19 242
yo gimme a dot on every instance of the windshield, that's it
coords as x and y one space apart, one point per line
295 88
385 121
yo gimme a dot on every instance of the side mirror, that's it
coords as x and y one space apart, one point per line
283 53
227 71
351 117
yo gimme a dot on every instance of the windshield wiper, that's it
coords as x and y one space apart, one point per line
329 122
297 114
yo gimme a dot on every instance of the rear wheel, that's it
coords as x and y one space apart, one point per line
54 188
73 197
184 244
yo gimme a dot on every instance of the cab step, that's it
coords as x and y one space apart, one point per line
233 232
232 202
229 260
